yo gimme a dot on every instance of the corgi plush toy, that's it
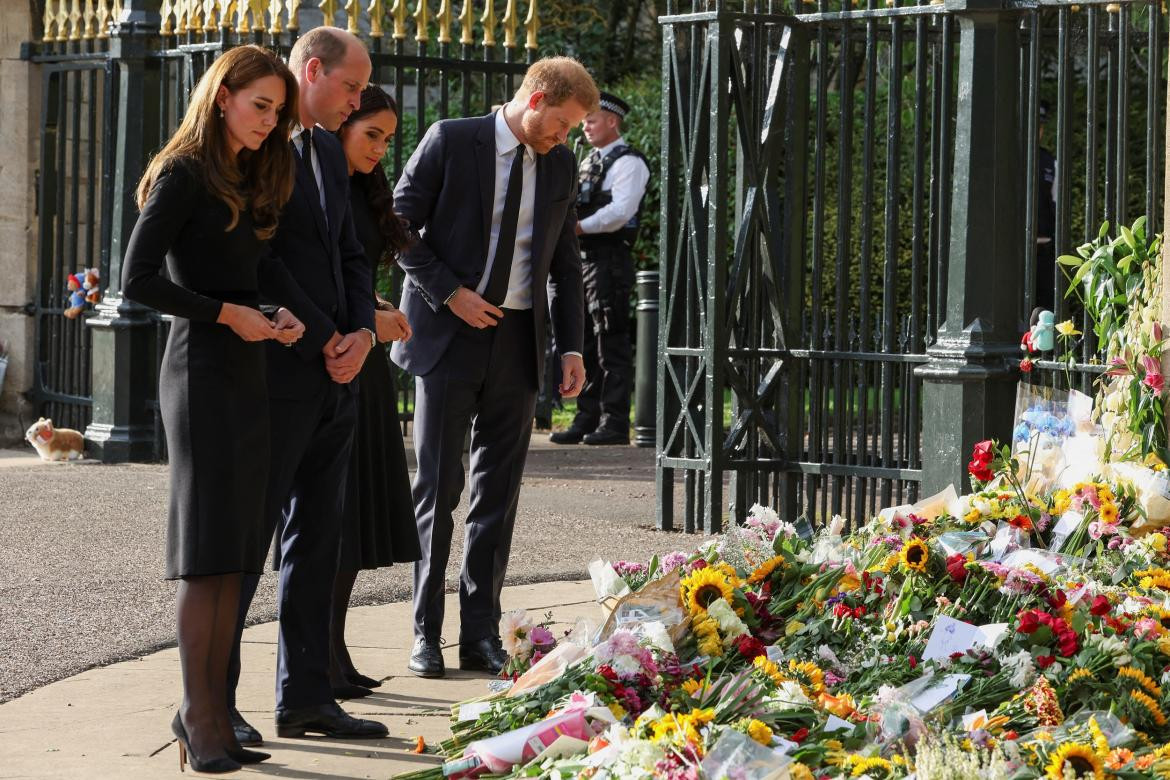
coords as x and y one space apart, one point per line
55 443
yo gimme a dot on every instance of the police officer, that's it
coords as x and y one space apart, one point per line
613 181
1045 290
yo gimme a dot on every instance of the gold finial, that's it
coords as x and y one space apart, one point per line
294 7
240 12
274 8
352 12
164 13
90 20
1113 8
103 19
398 17
510 23
117 12
375 11
329 8
181 11
489 23
465 23
212 10
75 21
422 20
49 19
62 21
531 25
444 20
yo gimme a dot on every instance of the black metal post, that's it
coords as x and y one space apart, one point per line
124 374
646 369
968 383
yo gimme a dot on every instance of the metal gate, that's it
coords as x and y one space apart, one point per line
82 56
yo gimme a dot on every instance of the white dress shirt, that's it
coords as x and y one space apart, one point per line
520 279
626 181
299 142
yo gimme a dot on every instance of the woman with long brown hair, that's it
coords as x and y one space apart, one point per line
209 202
378 528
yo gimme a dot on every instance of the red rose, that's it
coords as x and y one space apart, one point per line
983 451
749 647
957 567
800 735
1045 661
1026 365
980 471
1029 622
913 662
1011 734
1100 606
1057 600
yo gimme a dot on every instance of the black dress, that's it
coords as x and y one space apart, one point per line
378 528
213 390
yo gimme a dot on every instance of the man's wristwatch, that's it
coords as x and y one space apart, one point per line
451 297
373 337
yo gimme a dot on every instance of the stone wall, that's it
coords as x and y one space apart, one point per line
19 114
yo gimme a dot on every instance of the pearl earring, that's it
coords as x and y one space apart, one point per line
221 113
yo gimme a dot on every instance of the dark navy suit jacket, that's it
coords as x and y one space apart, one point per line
446 193
329 263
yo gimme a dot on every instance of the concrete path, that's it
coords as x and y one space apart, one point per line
114 722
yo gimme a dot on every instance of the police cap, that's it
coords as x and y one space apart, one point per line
614 104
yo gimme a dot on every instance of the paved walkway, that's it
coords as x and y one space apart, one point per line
114 722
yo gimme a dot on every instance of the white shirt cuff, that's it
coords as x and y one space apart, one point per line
578 354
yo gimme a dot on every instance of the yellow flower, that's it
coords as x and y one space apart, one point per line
1067 329
1108 512
1158 541
702 586
867 765
792 627
799 771
1060 502
915 554
1078 757
1141 678
765 570
618 710
1078 675
760 732
691 686
1118 758
1147 703
1100 741
809 675
768 668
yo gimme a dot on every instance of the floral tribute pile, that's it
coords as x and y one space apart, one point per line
1019 631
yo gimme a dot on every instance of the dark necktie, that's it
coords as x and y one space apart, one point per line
497 286
307 159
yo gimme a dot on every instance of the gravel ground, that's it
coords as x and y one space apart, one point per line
81 549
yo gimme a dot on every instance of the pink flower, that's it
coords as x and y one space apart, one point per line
1117 367
541 637
1153 378
1146 628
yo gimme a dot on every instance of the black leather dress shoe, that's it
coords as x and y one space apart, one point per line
362 680
245 734
603 436
426 659
482 655
327 719
569 436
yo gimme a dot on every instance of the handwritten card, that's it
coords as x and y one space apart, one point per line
938 692
951 636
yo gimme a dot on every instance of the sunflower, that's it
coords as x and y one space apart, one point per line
1141 678
1078 675
1077 756
1153 578
1100 741
809 675
702 586
692 687
915 554
768 668
759 731
1161 614
864 766
1148 706
765 570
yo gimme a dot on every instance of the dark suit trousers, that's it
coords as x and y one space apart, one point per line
486 380
311 440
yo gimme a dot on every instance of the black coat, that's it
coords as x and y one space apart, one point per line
330 265
446 193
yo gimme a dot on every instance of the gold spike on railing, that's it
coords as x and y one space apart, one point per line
375 11
465 22
511 22
75 21
444 21
90 17
62 21
398 20
294 22
229 10
49 20
213 11
422 21
104 15
353 12
531 26
329 8
274 9
489 23
117 12
165 12
240 12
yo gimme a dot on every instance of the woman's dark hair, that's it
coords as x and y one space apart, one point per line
374 186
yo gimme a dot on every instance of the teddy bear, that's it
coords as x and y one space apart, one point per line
82 288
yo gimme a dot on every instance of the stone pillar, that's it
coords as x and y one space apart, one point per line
122 427
19 105
969 381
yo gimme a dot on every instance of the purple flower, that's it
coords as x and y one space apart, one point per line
672 561
541 637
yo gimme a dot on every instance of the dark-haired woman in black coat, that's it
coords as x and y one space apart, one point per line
378 528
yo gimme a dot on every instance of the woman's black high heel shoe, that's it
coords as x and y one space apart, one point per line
245 756
211 766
